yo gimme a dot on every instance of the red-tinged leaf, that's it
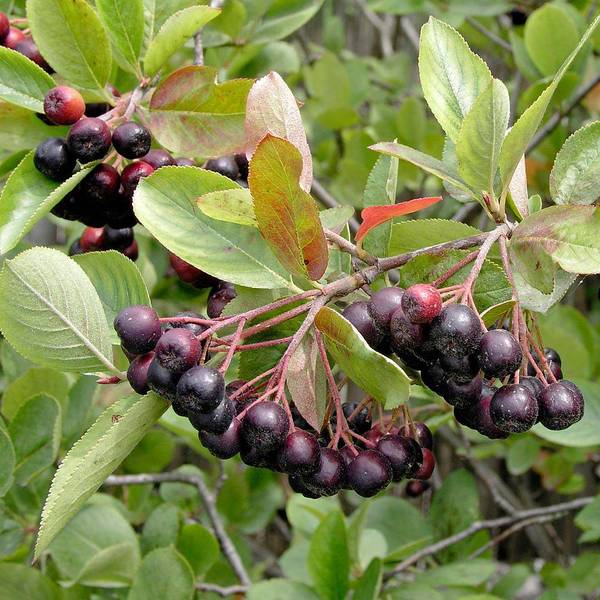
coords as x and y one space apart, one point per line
287 216
272 108
376 215
191 114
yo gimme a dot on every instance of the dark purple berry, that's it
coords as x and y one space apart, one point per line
426 469
98 188
383 304
164 383
27 47
416 488
499 354
297 484
131 175
132 251
96 109
195 328
225 165
242 163
223 445
301 453
117 239
533 384
359 316
63 105
513 408
406 335
463 392
369 473
138 327
89 139
460 368
220 296
328 479
178 350
215 421
436 379
131 140
53 159
254 457
185 162
265 426
361 421
555 369
419 432
159 158
560 406
421 303
456 330
137 373
201 389
404 453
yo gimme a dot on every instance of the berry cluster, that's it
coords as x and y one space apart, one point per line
462 362
15 39
167 357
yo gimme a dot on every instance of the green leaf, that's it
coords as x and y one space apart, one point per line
164 573
33 382
191 114
497 312
575 176
35 433
550 36
22 82
281 589
95 456
51 313
156 12
589 521
287 216
174 33
424 161
368 586
124 22
522 454
98 547
459 574
165 203
516 142
481 136
20 581
328 559
451 75
26 198
72 39
81 397
412 235
374 373
198 546
7 460
232 206
161 528
117 280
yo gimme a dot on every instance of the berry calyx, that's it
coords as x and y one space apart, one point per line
328 479
54 159
499 354
137 373
513 409
301 453
200 389
369 473
358 314
89 139
63 105
178 350
560 406
265 426
456 330
383 304
131 140
138 327
223 445
421 303
217 420
404 453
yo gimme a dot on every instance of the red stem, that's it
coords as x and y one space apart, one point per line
455 268
236 340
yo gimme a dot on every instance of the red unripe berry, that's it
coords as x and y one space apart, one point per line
63 105
13 38
92 239
4 26
428 465
415 488
185 271
132 251
421 303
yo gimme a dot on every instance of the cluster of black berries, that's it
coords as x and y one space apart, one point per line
461 361
15 39
233 167
94 239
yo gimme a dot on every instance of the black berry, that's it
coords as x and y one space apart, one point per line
383 304
131 175
131 140
300 453
499 353
560 406
178 350
27 47
195 328
63 105
138 327
358 314
265 426
404 453
137 373
456 330
533 384
419 432
460 368
201 389
53 158
159 158
225 165
89 139
217 420
361 421
369 473
164 383
513 409
436 379
223 445
463 392
328 479
406 335
426 469
297 484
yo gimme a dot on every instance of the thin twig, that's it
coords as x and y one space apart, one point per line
489 34
222 591
349 247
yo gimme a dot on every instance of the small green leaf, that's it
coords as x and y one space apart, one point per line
288 217
164 573
72 39
232 206
199 547
374 373
51 313
459 574
26 198
22 82
522 454
156 12
497 312
174 33
452 76
95 456
575 177
161 528
7 460
368 586
328 559
281 589
17 578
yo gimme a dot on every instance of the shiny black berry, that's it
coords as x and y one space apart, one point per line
499 353
200 389
369 473
426 469
456 330
513 409
460 368
225 165
419 432
131 175
138 327
404 453
164 383
178 350
217 420
300 453
265 426
54 159
195 328
117 239
223 445
328 479
297 484
137 373
468 392
89 139
159 158
361 421
383 304
560 406
131 140
359 315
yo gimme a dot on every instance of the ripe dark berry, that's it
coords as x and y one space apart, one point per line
185 162
137 373
254 457
164 383
63 105
328 479
195 328
225 165
217 420
477 416
98 188
419 432
242 163
374 434
131 140
468 392
265 426
553 355
117 239
297 484
559 406
499 353
518 16
220 296
513 409
27 47
421 303
410 359
435 378
132 251
361 421
131 175
555 369
190 274
416 488
15 36
383 304
89 139
138 327
554 362
369 473
159 158
92 239
406 335
201 389
178 350
300 453
75 249
426 469
53 159
358 314
70 208
223 445
96 109
570 385
460 368
4 26
404 453
533 384
456 330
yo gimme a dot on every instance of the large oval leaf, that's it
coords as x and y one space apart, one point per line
51 313
22 82
165 203
72 39
376 374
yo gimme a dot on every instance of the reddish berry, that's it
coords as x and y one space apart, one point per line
4 26
63 105
92 239
428 465
14 37
421 303
416 488
131 175
28 48
137 373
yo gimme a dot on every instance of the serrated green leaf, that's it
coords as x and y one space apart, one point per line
412 235
51 313
156 12
452 76
497 312
165 203
22 82
374 373
93 458
177 29
533 299
575 176
233 206
27 197
72 40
